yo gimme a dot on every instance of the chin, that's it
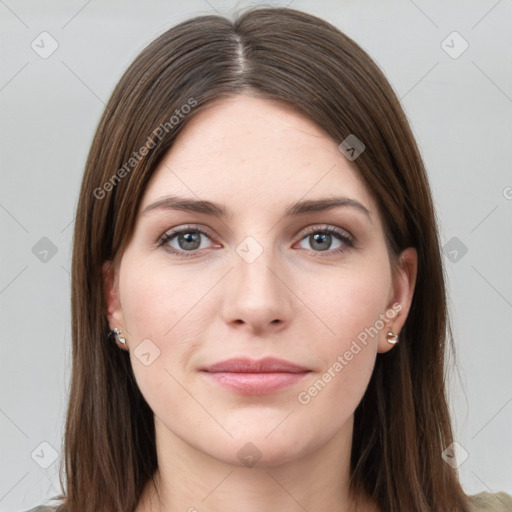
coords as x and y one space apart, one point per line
255 449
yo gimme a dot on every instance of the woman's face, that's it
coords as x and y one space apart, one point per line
259 281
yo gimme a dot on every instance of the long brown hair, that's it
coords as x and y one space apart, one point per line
402 424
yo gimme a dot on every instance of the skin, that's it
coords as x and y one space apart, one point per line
294 301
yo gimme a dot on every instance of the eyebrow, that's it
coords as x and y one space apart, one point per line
218 210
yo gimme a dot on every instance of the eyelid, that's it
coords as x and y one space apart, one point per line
329 228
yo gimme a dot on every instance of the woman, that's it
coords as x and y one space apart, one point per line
222 358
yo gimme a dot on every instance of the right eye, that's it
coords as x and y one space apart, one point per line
187 239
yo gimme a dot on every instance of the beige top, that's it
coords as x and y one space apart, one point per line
486 502
482 502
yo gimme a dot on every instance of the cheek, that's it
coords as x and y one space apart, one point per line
154 301
352 306
354 302
168 308
155 308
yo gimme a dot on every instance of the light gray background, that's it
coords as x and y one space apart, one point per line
460 110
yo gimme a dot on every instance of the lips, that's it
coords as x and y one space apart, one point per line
246 365
255 377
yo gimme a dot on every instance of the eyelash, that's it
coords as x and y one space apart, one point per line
348 241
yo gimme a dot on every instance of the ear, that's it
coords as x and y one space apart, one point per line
111 294
404 282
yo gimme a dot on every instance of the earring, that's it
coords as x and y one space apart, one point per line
392 338
116 334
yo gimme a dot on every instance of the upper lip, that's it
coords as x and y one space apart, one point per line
246 365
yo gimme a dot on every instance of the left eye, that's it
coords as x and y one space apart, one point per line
321 239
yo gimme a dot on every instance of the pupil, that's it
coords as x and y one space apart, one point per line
323 237
190 238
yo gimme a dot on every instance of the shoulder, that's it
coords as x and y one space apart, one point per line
487 502
42 508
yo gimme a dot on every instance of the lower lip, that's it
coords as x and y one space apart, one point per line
256 383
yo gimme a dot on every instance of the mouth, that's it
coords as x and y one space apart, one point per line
255 377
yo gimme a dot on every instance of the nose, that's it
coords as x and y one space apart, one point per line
257 296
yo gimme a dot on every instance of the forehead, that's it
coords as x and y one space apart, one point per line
245 150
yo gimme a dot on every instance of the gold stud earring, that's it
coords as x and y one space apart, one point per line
392 338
